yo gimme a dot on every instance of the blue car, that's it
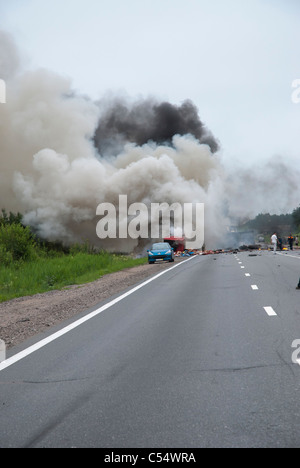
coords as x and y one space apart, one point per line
161 251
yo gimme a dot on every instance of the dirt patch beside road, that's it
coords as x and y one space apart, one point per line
25 317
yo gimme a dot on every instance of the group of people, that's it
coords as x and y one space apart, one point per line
277 241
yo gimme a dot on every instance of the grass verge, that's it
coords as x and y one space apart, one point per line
46 274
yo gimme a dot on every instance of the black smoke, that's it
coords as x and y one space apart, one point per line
148 120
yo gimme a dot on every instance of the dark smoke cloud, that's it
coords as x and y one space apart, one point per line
148 120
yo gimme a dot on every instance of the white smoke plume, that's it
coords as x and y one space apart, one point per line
271 186
52 171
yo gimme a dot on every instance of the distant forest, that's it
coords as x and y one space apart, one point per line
266 223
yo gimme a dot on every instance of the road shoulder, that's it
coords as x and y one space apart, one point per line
26 317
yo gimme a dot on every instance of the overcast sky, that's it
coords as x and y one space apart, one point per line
235 59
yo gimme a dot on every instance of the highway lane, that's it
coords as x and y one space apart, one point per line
190 360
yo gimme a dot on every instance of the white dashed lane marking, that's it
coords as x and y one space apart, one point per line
270 311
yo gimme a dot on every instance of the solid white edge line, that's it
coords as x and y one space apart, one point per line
270 311
26 352
287 255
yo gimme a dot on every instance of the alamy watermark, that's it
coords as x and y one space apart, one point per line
153 221
2 92
2 351
296 353
296 92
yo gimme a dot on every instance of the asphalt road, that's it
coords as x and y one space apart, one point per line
199 357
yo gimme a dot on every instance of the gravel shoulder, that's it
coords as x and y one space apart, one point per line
25 317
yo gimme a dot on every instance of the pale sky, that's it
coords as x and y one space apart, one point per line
235 59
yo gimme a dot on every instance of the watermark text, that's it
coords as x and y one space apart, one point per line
154 221
2 92
296 353
2 351
296 92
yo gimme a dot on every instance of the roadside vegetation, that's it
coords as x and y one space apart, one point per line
29 266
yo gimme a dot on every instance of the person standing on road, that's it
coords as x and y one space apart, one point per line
280 242
291 242
274 240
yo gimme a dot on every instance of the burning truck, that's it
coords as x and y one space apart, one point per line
177 243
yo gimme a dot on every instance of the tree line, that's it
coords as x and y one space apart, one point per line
285 223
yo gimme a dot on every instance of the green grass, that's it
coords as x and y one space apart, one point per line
46 274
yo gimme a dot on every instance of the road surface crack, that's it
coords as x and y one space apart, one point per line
242 369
